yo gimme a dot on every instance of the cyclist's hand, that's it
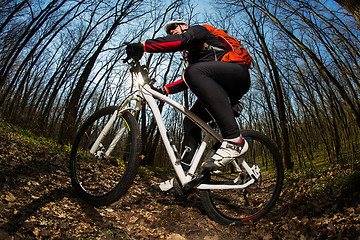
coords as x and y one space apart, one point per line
135 51
161 90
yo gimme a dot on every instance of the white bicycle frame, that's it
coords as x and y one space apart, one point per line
146 93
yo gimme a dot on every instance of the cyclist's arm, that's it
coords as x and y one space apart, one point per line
175 87
195 35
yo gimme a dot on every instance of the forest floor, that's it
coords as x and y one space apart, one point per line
38 202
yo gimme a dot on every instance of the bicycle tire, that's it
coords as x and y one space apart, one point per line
237 206
103 180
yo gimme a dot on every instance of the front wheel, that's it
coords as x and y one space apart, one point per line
237 206
99 175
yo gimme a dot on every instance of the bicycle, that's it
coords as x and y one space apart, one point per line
106 154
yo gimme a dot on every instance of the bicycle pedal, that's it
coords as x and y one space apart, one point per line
175 189
195 182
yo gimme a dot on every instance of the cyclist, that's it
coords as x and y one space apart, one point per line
218 86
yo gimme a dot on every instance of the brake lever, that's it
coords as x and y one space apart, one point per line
125 60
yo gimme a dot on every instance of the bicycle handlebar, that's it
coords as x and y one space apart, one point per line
136 67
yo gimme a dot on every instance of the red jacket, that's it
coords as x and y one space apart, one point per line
192 43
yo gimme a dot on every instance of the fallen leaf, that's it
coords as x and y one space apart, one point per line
305 220
285 226
133 219
175 236
268 237
10 197
331 227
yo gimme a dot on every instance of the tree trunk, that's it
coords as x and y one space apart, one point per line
316 60
352 6
68 124
280 103
25 38
16 9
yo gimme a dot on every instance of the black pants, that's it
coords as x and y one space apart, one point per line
218 86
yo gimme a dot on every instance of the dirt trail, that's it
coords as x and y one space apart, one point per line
37 202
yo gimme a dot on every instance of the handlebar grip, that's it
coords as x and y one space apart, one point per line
126 59
159 90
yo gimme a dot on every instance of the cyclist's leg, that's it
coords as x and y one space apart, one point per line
215 83
191 139
192 133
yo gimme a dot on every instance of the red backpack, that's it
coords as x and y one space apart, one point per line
237 53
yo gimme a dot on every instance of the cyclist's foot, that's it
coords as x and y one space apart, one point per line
167 187
227 152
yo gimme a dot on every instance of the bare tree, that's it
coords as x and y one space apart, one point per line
68 124
17 8
36 23
61 60
352 6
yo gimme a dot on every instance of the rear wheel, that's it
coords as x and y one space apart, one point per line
236 206
101 178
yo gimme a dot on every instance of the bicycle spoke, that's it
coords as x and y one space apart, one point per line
98 178
236 206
